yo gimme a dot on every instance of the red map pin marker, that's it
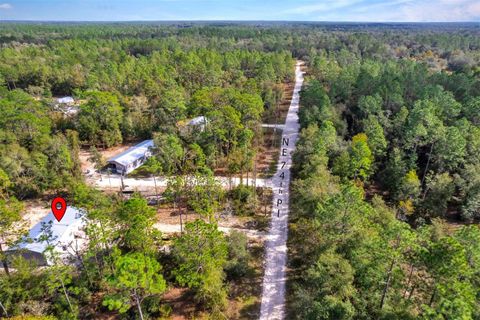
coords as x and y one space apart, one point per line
59 206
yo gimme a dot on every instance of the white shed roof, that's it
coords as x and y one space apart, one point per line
201 120
63 232
136 152
65 100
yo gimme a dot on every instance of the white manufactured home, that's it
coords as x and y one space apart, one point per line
132 158
66 237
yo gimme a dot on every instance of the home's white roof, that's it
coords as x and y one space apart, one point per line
65 100
63 232
71 110
197 121
136 152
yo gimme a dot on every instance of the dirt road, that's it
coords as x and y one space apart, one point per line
114 181
273 291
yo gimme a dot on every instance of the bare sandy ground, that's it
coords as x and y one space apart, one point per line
114 182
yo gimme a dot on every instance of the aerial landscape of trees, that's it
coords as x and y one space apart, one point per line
384 192
386 177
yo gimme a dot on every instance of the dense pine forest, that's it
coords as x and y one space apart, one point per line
386 191
386 207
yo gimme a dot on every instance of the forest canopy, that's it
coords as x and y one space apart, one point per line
385 190
385 199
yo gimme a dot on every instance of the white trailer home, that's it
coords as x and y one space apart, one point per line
66 237
132 158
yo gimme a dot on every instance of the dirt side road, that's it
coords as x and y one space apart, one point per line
273 291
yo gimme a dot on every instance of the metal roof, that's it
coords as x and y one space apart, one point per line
65 100
201 120
63 232
136 152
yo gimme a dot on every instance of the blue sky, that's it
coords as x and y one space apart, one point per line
303 10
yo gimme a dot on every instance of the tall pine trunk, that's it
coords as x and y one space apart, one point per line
156 191
4 310
139 307
4 261
426 167
387 284
432 298
66 295
409 281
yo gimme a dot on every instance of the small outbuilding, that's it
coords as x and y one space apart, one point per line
192 126
66 105
65 100
66 237
132 158
198 122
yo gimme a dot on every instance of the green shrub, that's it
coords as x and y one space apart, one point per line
244 202
238 255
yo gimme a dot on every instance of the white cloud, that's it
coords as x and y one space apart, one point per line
4 6
447 10
375 8
390 10
474 9
454 2
323 6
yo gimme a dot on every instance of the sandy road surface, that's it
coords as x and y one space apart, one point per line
273 290
175 228
114 181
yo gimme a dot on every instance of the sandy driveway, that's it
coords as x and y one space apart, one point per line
175 228
114 182
273 291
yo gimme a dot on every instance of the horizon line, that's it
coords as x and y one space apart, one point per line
237 21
